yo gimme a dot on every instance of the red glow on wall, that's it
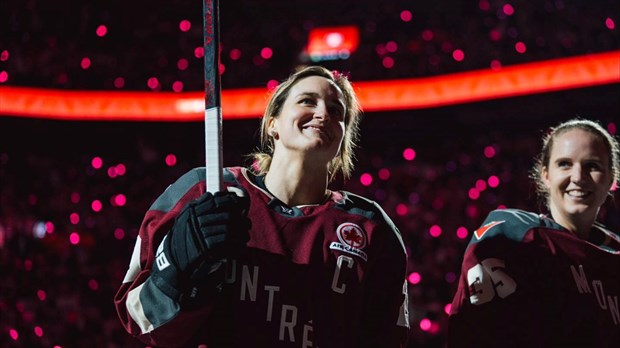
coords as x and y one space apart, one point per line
401 94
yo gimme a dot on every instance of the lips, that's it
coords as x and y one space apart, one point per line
578 194
319 129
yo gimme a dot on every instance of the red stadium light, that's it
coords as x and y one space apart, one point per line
332 43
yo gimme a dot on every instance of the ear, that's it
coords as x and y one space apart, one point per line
272 130
544 175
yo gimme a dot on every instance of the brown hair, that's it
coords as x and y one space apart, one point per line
542 161
343 162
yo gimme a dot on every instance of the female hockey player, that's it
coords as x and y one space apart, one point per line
277 259
530 280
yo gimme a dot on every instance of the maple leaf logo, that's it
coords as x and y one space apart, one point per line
351 235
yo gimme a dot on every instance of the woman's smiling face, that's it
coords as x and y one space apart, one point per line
312 118
578 177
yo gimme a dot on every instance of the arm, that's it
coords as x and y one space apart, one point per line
175 271
386 312
499 295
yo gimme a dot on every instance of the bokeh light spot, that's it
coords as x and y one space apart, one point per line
409 154
384 174
366 179
402 209
38 331
120 200
508 9
425 324
461 232
435 231
41 294
177 86
14 334
427 35
119 82
85 63
489 151
74 218
171 160
481 185
414 278
96 162
406 16
493 181
185 25
182 64
388 62
101 30
235 54
93 284
74 238
119 233
473 194
266 53
458 55
96 205
496 65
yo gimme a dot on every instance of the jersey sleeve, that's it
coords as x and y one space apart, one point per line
496 303
144 310
386 313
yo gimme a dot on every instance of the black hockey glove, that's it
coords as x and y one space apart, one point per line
208 230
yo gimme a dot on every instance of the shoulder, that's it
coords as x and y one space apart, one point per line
358 205
192 185
362 206
509 223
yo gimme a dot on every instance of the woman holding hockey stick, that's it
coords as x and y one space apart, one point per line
531 280
277 259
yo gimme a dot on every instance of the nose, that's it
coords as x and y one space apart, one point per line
321 112
578 174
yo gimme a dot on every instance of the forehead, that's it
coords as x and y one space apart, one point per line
317 85
576 142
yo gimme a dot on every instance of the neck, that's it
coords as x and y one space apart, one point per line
580 227
294 183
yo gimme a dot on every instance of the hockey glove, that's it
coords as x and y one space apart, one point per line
208 230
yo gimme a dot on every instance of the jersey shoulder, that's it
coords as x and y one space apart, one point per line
359 205
512 224
192 183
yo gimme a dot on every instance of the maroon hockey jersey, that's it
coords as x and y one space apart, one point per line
326 275
527 282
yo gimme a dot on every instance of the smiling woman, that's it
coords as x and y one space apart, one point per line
577 172
547 280
277 258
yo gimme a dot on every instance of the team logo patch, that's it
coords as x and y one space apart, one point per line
352 240
482 230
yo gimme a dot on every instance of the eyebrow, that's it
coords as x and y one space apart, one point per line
316 95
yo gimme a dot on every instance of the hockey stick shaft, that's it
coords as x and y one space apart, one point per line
213 104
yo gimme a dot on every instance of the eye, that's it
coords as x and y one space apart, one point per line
593 167
337 112
307 101
564 164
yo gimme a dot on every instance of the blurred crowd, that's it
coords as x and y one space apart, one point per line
157 45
